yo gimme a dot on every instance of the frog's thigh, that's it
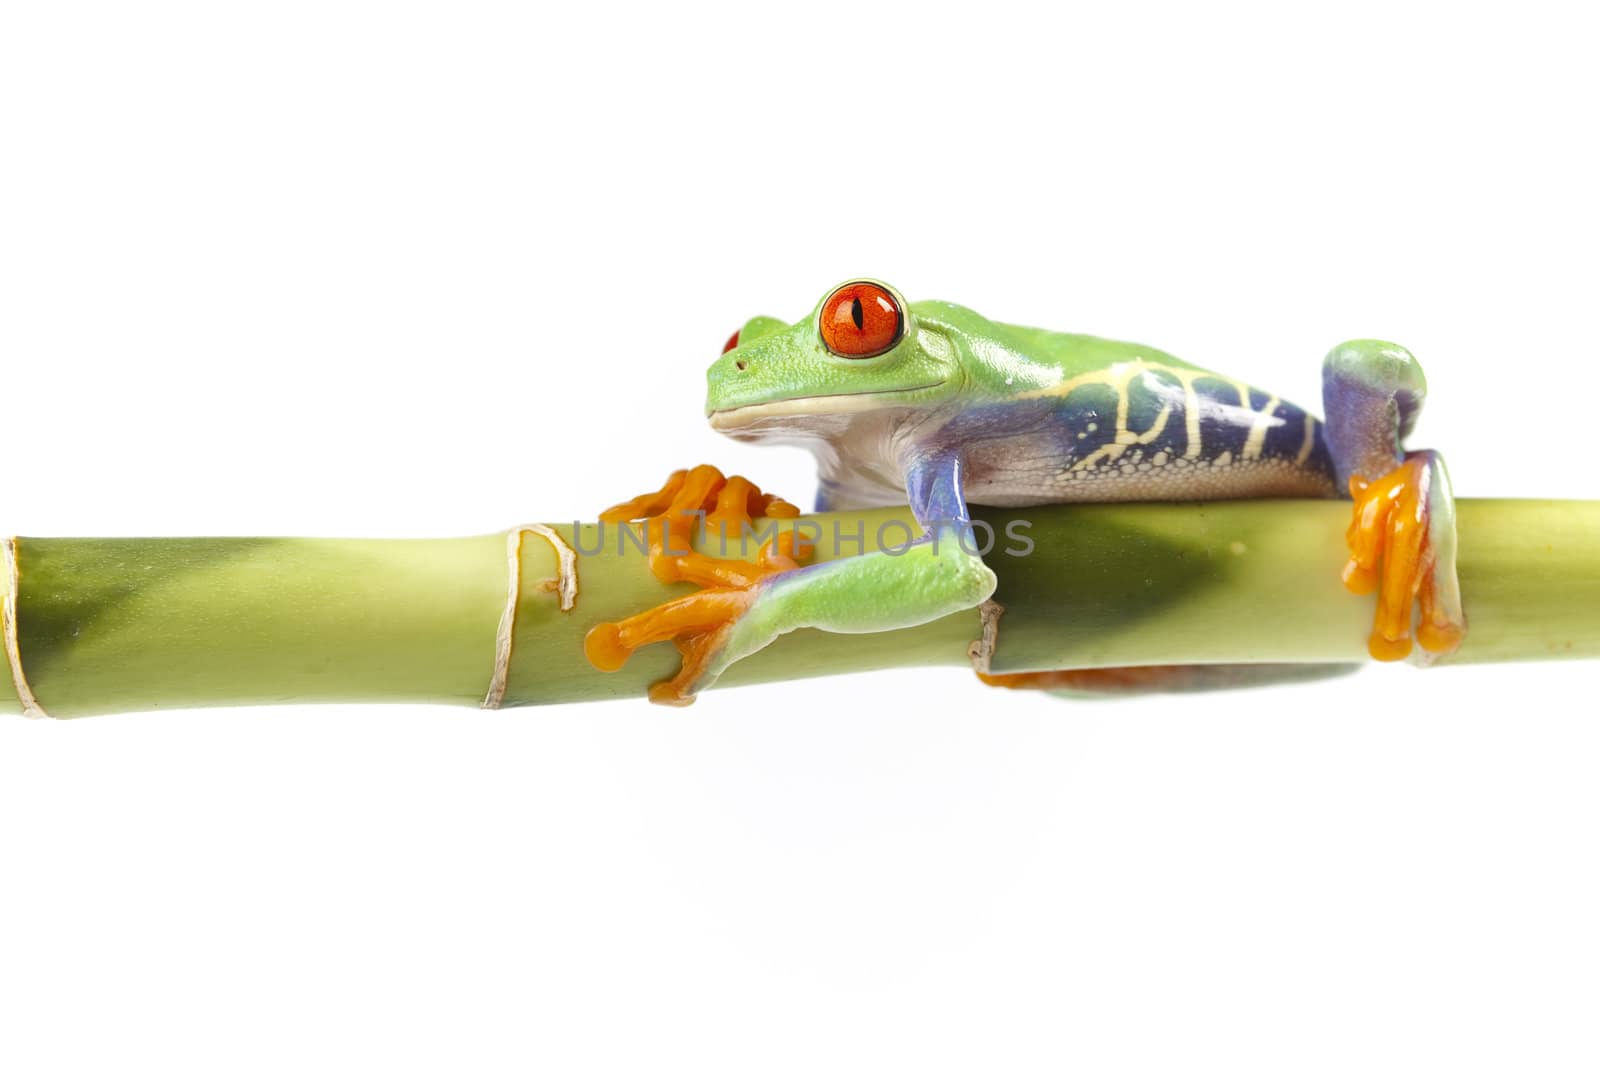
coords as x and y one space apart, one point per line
1372 393
1142 681
929 579
1402 535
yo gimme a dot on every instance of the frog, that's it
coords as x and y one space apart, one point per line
933 405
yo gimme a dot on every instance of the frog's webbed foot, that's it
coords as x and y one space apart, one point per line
700 623
1395 537
1402 534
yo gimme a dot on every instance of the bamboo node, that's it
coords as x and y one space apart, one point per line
981 651
565 588
31 707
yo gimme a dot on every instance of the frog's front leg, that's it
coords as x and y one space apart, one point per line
936 574
1402 535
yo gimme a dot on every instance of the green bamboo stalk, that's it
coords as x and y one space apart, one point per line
135 624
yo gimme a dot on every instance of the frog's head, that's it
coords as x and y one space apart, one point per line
862 349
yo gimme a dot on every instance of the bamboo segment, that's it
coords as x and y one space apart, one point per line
1257 581
114 625
138 624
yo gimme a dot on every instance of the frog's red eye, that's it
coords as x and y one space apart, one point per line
733 342
860 319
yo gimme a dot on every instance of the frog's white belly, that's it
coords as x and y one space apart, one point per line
1015 472
1030 469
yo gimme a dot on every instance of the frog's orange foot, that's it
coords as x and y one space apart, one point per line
1401 540
727 505
699 624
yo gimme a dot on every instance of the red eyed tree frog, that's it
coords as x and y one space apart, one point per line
933 403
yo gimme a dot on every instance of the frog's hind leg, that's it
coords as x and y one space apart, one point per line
1402 534
1152 680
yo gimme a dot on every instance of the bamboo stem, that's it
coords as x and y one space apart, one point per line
136 624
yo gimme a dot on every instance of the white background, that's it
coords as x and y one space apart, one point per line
403 269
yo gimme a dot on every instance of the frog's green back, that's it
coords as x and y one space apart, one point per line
1011 359
1076 353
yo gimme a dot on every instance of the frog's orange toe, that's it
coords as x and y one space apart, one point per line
1441 628
603 647
647 505
696 650
1391 552
1387 650
1358 579
1440 639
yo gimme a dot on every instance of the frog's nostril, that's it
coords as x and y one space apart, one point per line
739 364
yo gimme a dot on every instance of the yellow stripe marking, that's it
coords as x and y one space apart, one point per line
1311 438
1191 419
1119 377
1263 422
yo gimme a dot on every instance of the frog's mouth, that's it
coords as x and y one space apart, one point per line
740 416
